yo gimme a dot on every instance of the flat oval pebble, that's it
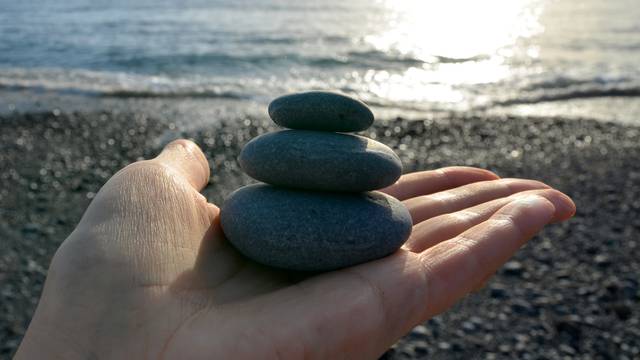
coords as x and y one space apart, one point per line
319 160
320 110
313 231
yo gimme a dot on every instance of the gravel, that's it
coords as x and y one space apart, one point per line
574 292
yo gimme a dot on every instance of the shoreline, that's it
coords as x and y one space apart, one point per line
208 111
573 290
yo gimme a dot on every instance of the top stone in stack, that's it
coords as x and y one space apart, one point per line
318 212
320 110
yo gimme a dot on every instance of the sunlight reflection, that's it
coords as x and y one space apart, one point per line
459 42
413 85
457 29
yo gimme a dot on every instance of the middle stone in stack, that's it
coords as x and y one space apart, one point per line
318 212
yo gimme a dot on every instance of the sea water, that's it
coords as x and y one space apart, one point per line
404 58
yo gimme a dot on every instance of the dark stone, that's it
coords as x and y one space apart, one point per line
567 349
31 228
498 291
319 160
513 268
569 328
420 331
320 110
313 231
623 311
602 260
469 327
522 307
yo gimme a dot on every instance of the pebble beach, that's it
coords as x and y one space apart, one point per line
572 292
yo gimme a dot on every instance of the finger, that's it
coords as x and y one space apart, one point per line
480 285
427 182
455 267
186 158
213 211
428 206
443 227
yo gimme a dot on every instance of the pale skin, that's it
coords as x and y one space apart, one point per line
148 273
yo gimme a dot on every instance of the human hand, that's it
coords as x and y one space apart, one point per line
147 273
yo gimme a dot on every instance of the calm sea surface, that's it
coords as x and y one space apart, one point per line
543 57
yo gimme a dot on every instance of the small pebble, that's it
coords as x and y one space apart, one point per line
498 291
513 268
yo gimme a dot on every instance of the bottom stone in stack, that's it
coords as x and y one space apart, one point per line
311 230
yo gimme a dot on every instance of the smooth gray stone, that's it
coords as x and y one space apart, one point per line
320 110
318 160
313 231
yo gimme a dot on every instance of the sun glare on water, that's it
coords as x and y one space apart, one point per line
458 42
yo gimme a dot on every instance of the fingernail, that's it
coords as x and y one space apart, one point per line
536 207
531 200
568 206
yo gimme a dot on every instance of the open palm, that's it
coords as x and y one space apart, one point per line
148 273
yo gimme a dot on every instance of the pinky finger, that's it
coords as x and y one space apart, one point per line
457 266
440 228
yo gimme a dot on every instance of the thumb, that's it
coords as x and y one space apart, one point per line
186 158
161 191
151 216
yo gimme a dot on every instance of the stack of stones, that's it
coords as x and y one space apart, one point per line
317 210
